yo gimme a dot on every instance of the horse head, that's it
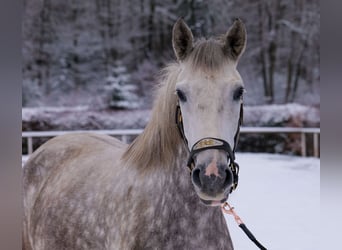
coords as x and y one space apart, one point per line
210 90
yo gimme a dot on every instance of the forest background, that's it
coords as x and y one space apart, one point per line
95 64
107 53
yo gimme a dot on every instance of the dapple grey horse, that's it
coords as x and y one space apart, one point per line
90 191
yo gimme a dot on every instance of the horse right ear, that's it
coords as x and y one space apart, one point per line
182 39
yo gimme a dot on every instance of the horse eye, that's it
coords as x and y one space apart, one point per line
181 95
238 93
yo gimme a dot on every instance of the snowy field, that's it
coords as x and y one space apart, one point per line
278 198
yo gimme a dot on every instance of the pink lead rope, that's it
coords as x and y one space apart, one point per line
227 209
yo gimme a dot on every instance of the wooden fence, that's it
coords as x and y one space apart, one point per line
124 134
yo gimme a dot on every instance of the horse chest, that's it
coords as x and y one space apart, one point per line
182 230
175 219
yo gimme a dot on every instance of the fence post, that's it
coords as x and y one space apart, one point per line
315 141
303 142
124 138
29 145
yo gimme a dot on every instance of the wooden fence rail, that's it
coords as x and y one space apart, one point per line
124 133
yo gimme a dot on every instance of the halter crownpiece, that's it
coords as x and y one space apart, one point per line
212 143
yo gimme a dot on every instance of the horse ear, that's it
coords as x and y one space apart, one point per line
182 39
235 40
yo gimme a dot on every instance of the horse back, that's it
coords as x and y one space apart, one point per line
53 158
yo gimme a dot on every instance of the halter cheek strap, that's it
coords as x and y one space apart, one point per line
212 143
179 122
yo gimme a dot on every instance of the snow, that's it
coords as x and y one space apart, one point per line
82 117
278 198
62 118
292 113
29 112
24 159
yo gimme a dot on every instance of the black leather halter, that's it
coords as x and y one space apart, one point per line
212 143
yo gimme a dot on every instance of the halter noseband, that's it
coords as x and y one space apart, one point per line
212 143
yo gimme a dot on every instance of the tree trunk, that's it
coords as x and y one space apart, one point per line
262 52
75 57
297 70
272 50
43 57
151 25
290 68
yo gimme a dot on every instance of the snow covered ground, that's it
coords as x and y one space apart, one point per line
278 198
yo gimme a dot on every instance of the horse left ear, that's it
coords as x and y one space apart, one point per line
235 40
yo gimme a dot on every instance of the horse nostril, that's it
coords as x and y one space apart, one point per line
228 178
196 177
212 184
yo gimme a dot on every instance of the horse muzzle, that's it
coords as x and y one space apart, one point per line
213 177
212 181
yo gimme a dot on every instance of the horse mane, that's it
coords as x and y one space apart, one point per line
207 55
160 141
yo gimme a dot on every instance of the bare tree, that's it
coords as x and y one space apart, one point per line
70 45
